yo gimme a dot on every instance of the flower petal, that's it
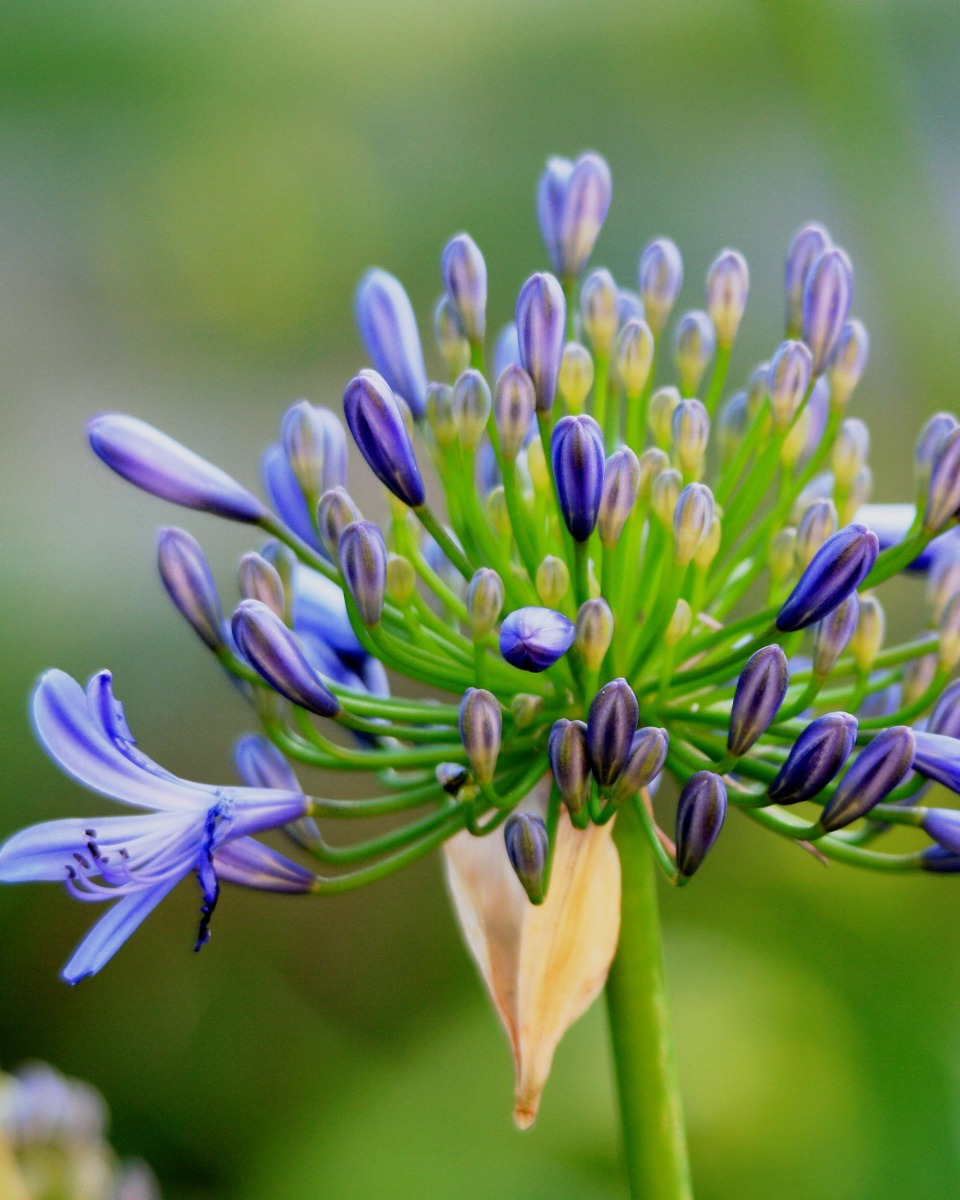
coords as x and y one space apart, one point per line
113 929
43 852
249 863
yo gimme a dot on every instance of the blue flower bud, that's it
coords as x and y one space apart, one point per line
533 638
525 837
827 295
600 311
930 442
513 409
572 203
833 633
943 490
818 523
611 724
633 356
732 426
621 483
465 278
578 463
594 632
939 860
316 448
481 730
728 284
848 362
692 521
378 428
943 825
484 601
629 306
452 777
807 246
660 277
760 691
541 324
701 809
838 568
471 407
260 580
449 336
653 462
693 347
945 717
938 758
690 433
788 378
570 763
363 561
274 653
506 353
815 758
149 459
877 770
187 577
648 753
576 376
389 332
335 512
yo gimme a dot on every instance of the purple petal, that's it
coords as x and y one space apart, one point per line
248 863
41 853
319 610
113 929
286 496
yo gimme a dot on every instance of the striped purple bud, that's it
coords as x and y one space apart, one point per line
693 346
945 718
943 490
818 523
728 285
572 203
701 809
930 442
815 758
848 362
156 463
877 770
525 837
943 825
376 422
484 602
465 279
611 724
389 332
363 561
621 483
760 691
533 638
514 406
837 569
316 448
633 356
570 763
692 521
833 634
471 407
600 311
481 730
648 753
189 581
827 295
334 513
449 337
541 325
275 654
578 464
788 378
808 244
660 277
938 758
258 579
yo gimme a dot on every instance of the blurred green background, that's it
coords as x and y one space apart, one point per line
189 192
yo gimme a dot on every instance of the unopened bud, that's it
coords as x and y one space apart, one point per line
526 709
576 376
189 581
690 428
680 623
484 602
660 277
665 494
827 295
621 482
471 407
451 341
692 519
259 580
633 357
465 278
611 724
594 633
570 762
599 310
787 382
525 837
275 654
943 582
441 415
943 491
315 446
534 638
578 463
652 462
868 636
401 579
818 523
918 675
693 347
849 452
783 554
379 429
553 581
930 441
537 465
760 691
541 323
663 404
388 328
832 635
709 548
795 443
877 770
335 512
481 730
837 569
363 561
728 284
648 753
700 814
848 362
807 245
452 777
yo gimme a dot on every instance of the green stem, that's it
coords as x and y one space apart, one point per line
650 1106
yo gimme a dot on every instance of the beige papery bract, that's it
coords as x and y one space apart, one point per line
543 965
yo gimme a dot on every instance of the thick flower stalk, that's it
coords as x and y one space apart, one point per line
616 577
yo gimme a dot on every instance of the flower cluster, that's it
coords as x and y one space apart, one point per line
626 578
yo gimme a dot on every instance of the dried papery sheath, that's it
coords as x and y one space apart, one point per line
363 561
276 655
760 691
660 277
485 596
481 728
572 204
600 311
259 580
787 381
576 376
514 408
316 448
335 511
611 724
534 638
570 762
621 483
832 635
450 338
876 771
578 465
645 760
827 295
808 244
848 362
728 285
837 569
594 632
633 356
526 841
471 407
541 324
156 463
815 758
389 332
189 582
692 521
693 347
378 428
700 813
465 278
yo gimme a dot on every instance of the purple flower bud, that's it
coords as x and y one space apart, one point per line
187 577
611 724
945 718
600 310
648 753
449 336
938 757
260 580
760 691
833 634
827 295
816 756
525 836
465 278
363 561
471 407
633 356
389 332
875 772
848 362
690 433
335 512
452 777
943 490
481 729
818 523
660 277
807 246
572 204
943 825
378 428
275 654
513 408
940 861
534 638
541 324
788 378
621 483
930 442
507 350
700 812
578 463
692 521
728 284
569 762
693 347
837 569
316 448
484 601
149 459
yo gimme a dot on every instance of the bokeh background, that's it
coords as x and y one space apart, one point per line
188 193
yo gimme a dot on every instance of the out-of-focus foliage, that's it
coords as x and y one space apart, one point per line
189 193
